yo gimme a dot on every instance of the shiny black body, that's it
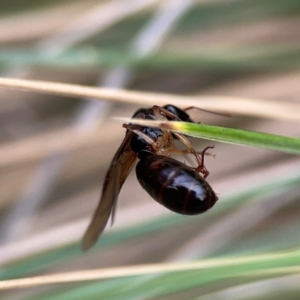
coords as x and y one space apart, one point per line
175 185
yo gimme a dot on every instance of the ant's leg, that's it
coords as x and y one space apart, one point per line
162 110
208 111
198 169
201 168
161 113
158 146
139 133
200 160
191 149
181 151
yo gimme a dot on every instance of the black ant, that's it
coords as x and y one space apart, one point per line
170 182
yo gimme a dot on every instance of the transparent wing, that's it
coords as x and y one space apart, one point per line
116 175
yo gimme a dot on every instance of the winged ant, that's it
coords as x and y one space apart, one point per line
170 182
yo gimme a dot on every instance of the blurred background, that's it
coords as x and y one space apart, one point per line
55 151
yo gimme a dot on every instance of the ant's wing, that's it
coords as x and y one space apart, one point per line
116 175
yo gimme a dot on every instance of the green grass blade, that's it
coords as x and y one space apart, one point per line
202 273
229 135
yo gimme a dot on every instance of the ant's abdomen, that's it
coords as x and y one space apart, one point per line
175 185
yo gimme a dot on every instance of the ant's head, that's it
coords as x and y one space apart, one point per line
181 114
143 113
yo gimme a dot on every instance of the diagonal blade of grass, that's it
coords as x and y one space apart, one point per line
251 264
227 135
233 105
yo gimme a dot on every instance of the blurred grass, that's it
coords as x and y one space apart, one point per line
244 58
38 263
247 49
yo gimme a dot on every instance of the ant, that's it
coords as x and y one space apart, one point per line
170 182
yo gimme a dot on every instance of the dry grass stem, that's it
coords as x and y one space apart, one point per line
250 107
80 276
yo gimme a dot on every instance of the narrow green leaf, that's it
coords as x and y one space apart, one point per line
199 273
229 135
